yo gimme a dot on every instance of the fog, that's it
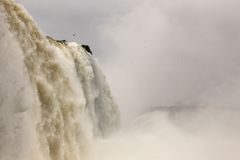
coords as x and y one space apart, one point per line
158 54
165 53
153 136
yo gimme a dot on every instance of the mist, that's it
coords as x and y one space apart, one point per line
174 70
165 53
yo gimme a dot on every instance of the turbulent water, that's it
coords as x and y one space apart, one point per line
53 96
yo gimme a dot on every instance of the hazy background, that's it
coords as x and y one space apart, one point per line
173 66
155 52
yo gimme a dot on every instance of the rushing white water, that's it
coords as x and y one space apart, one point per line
53 96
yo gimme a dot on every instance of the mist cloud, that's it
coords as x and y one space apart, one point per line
157 52
171 53
179 53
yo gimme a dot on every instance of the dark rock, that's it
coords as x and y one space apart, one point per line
87 48
58 41
61 41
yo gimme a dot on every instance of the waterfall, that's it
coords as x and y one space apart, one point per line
53 96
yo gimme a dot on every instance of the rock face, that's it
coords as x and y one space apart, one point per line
87 48
52 40
58 41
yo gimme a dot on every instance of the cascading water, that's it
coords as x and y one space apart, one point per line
53 96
